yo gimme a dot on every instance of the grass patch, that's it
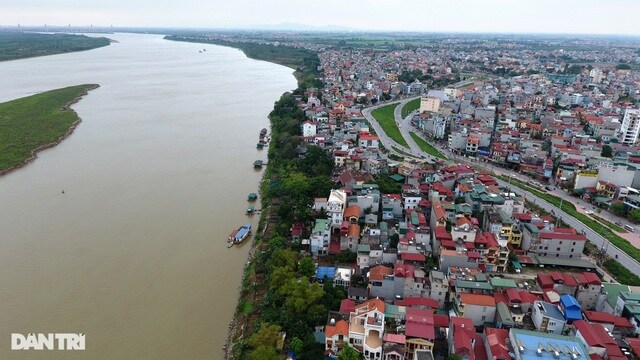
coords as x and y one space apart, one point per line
621 273
570 209
19 45
426 147
409 107
33 122
386 119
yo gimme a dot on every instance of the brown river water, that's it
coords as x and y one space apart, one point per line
156 176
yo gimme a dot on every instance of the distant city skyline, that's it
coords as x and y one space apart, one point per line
488 16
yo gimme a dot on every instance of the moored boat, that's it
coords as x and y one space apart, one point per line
243 233
263 132
252 197
250 210
232 236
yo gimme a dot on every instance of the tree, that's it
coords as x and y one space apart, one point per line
283 258
606 151
349 353
297 346
618 209
306 267
634 215
265 353
280 276
300 295
454 357
267 336
346 256
393 240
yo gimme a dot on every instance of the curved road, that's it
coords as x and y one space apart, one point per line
604 244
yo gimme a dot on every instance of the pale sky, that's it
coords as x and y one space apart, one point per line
544 16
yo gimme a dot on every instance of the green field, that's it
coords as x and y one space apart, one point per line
18 45
426 147
387 121
570 209
35 121
410 107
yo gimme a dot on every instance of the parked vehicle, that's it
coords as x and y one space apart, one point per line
629 228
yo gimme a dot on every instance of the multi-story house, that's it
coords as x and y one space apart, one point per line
335 207
438 287
366 328
479 308
547 317
320 236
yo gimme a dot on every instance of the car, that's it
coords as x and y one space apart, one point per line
618 223
630 228
588 212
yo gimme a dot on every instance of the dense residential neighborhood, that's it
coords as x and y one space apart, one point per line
446 227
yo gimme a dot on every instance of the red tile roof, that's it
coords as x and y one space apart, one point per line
419 324
477 299
412 257
497 340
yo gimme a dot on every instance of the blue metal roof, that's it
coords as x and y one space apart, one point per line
328 271
571 307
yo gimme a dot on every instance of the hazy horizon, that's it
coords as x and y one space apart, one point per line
587 17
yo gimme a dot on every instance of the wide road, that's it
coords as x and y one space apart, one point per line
604 244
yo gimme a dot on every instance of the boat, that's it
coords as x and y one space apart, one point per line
230 245
250 210
263 132
257 164
242 233
260 146
232 235
252 197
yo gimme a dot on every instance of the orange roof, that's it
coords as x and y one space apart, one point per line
372 304
354 230
463 221
477 299
439 211
353 210
379 272
340 328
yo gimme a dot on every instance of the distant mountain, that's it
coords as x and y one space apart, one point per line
301 27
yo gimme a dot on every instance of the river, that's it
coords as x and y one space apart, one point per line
133 254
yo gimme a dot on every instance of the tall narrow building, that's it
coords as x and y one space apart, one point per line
630 126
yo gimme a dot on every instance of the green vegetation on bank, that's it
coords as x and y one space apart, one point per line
33 122
277 294
18 45
426 147
410 107
599 228
385 117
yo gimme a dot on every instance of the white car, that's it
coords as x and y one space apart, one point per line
588 212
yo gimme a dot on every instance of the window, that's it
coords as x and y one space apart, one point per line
557 255
574 243
484 318
558 249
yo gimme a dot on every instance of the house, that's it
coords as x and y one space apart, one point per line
532 345
495 342
335 207
570 308
368 141
479 308
438 287
419 331
366 327
309 129
462 338
336 335
598 340
319 239
547 317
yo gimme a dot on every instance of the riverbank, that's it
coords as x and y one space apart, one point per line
20 45
37 122
275 280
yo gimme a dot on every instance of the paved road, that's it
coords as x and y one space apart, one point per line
594 237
